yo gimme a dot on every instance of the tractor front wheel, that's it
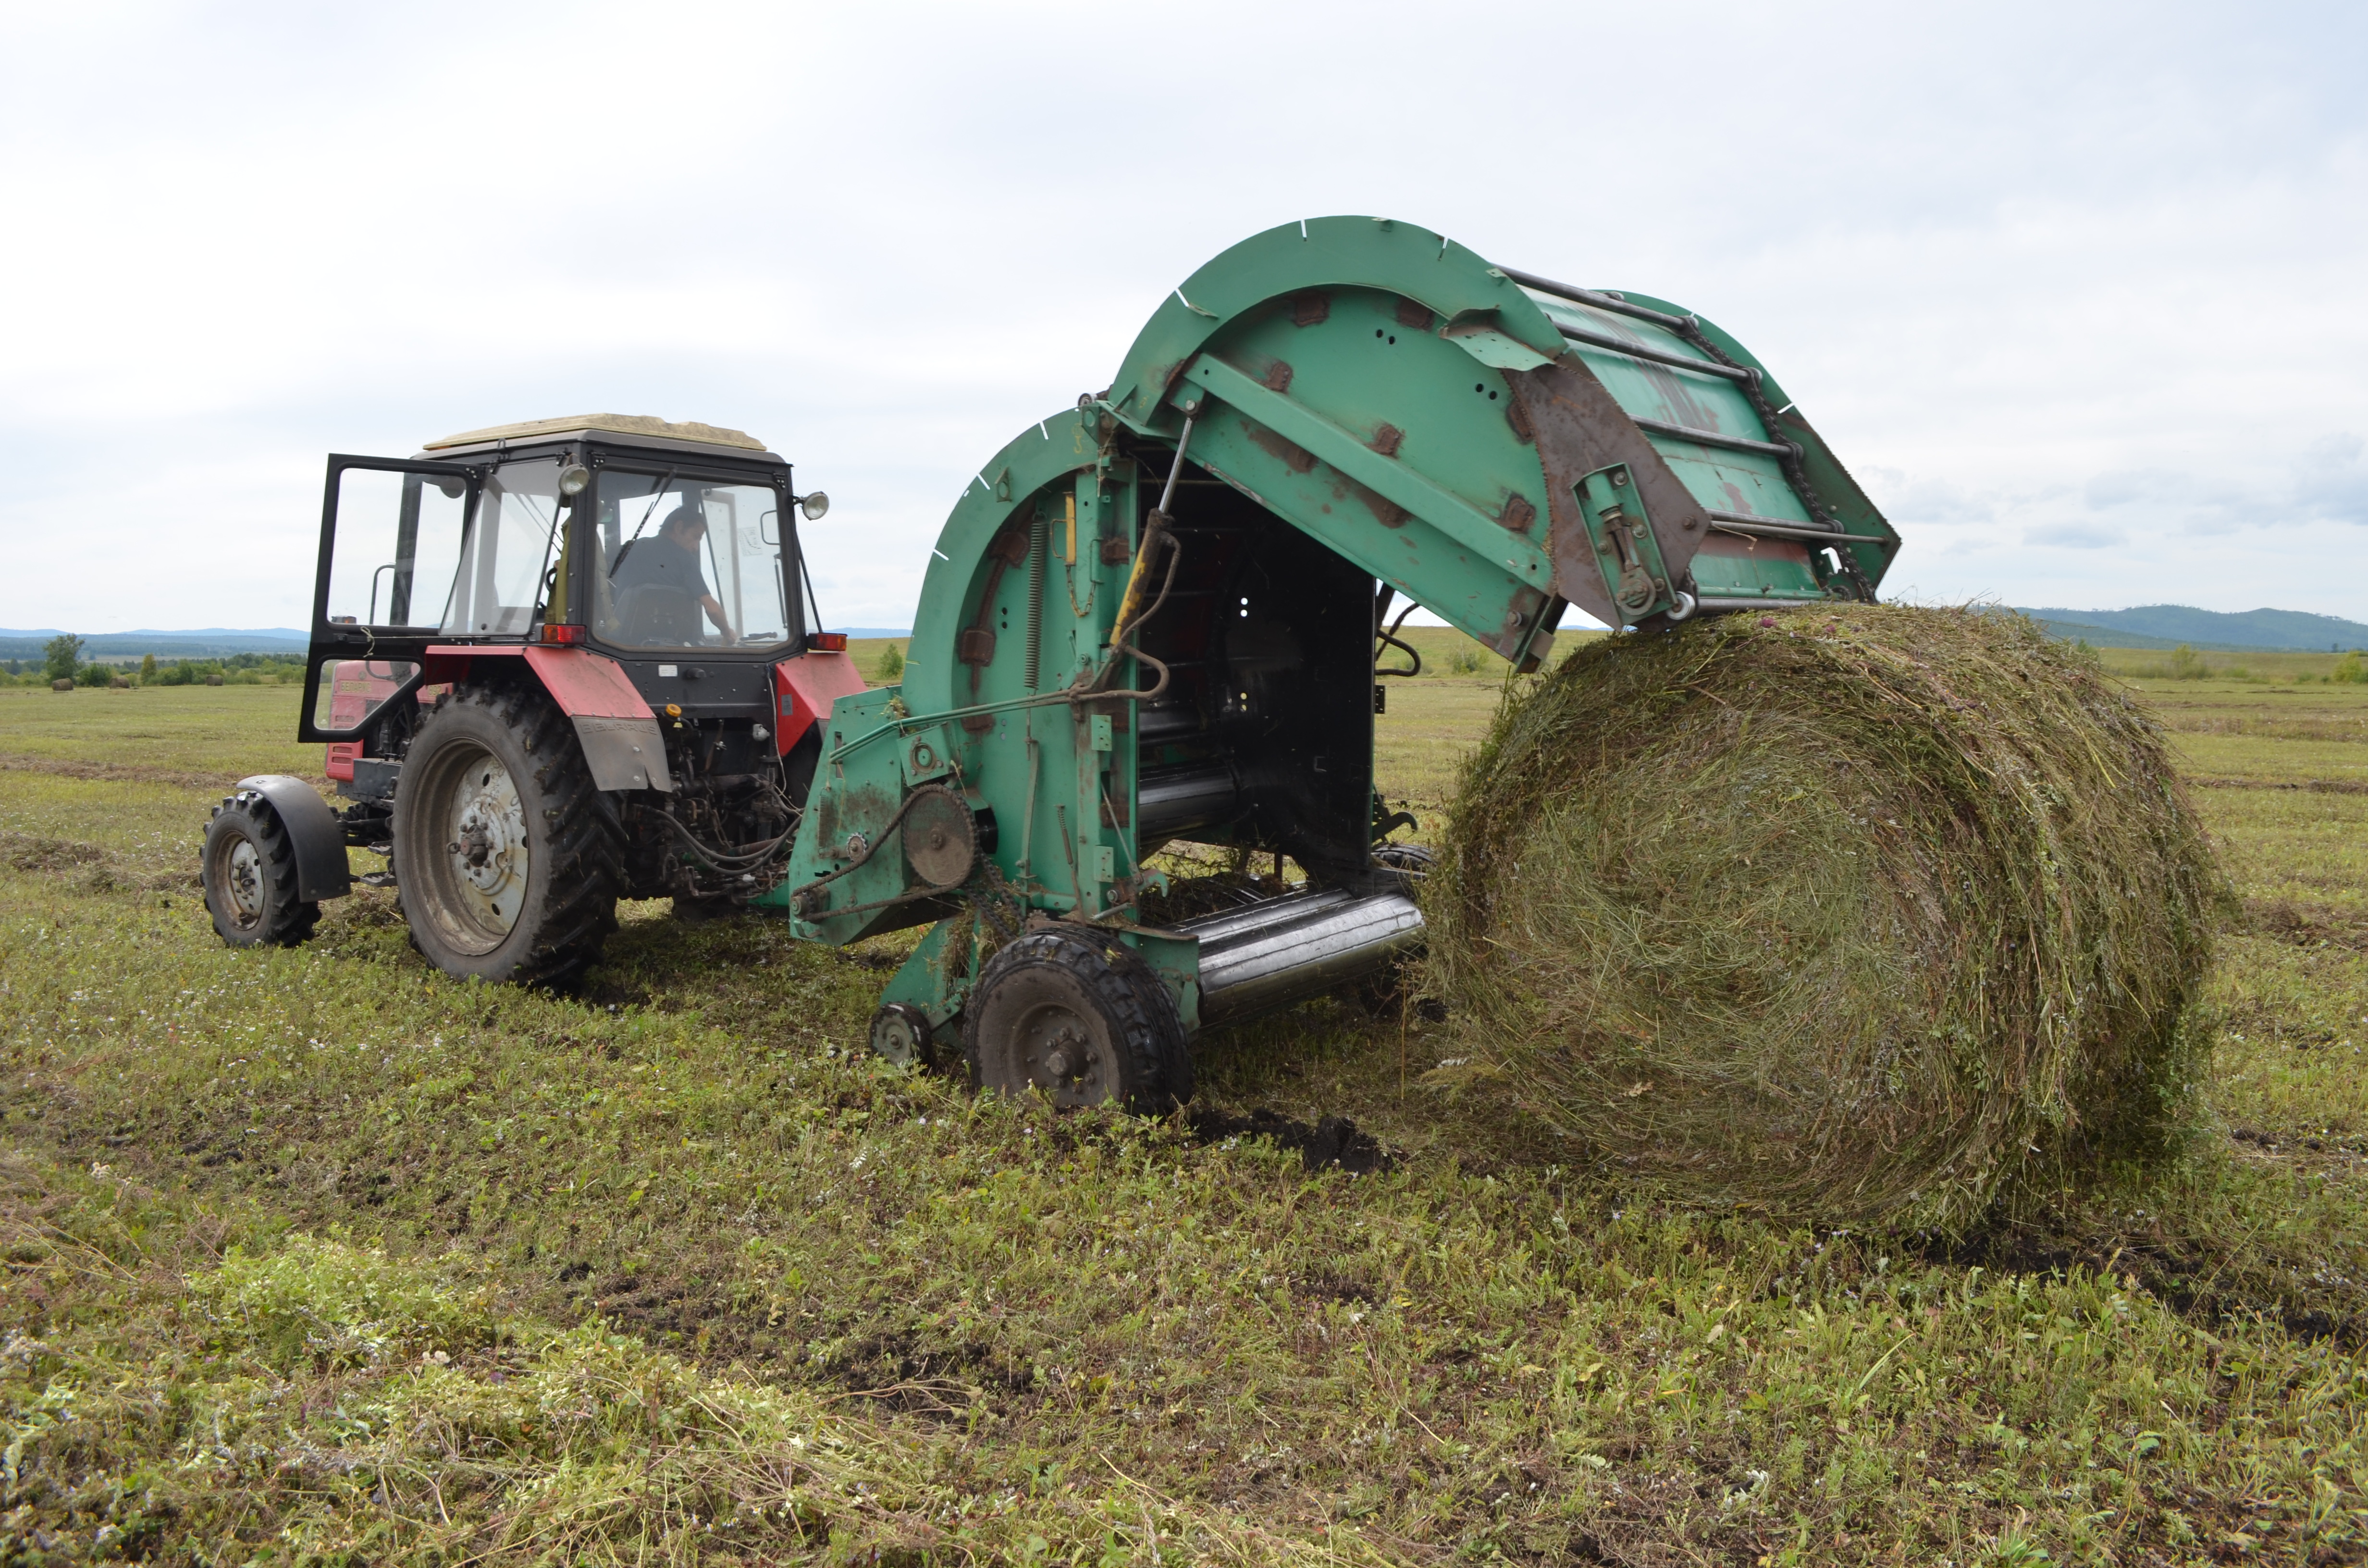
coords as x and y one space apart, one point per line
1080 1017
249 876
508 860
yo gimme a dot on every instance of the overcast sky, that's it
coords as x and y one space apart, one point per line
2078 291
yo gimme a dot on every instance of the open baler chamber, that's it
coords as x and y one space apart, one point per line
1154 617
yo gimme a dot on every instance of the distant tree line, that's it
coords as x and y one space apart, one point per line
62 659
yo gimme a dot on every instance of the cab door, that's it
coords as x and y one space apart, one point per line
393 533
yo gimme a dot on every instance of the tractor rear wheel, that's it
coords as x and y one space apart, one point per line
249 875
1081 1018
508 860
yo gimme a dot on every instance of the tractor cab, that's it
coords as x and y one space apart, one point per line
556 665
669 548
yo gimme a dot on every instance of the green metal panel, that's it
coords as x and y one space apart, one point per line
999 725
1321 341
1397 399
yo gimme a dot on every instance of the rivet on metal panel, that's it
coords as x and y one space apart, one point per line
1278 376
1386 439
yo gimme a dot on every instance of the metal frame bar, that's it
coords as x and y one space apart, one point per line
1784 528
1715 439
1720 604
1657 356
1596 298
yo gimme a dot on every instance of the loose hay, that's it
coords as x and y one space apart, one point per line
1853 915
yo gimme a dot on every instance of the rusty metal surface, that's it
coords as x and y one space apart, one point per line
1579 428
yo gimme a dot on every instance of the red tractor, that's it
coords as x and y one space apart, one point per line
581 646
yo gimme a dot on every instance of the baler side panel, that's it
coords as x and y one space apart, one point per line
1050 498
1443 575
1623 557
935 680
1351 252
1840 493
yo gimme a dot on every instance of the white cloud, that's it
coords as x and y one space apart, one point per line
2074 290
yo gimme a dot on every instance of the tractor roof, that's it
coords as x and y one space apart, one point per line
610 424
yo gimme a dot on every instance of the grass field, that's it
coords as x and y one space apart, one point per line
315 1257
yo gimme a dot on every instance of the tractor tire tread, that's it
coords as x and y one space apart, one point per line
584 846
1149 1030
291 919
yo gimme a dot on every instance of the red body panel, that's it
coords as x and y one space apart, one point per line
358 685
805 687
585 685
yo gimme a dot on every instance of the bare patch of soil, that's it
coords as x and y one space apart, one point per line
1335 1142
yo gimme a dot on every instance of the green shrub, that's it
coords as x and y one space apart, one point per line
2348 668
891 663
62 656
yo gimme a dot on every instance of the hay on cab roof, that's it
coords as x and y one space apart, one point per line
1855 914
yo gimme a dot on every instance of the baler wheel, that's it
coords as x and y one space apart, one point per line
249 876
509 860
1079 1017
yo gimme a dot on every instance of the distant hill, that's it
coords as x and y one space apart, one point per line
200 643
2167 626
219 641
2106 637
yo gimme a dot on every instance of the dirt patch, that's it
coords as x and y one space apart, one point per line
30 852
898 1373
102 870
2307 925
1335 1142
2192 1281
2312 785
2281 729
118 772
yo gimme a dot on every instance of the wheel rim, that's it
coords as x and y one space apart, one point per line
1049 1042
238 873
478 855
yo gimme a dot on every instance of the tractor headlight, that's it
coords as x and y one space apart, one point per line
573 479
813 505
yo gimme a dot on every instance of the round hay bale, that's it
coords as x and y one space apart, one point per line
1854 914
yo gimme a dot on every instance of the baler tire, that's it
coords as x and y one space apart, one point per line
251 896
1055 991
573 843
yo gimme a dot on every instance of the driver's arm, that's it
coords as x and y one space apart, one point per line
715 613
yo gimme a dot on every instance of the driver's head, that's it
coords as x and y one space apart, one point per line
685 525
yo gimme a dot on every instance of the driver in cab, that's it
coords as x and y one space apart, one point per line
670 560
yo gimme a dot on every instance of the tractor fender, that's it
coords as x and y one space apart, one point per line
613 721
804 686
314 832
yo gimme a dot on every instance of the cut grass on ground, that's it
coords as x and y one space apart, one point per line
317 1256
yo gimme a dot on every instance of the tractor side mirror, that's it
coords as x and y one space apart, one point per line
813 505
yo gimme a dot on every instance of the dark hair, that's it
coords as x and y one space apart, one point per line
686 513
